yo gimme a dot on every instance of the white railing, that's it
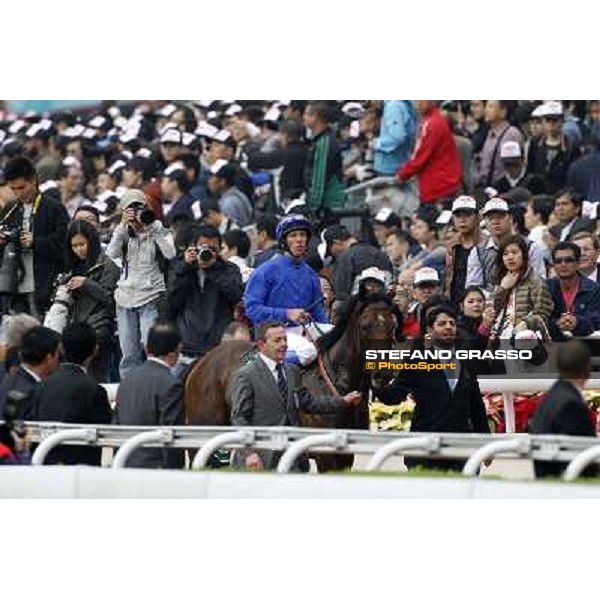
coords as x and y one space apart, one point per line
294 441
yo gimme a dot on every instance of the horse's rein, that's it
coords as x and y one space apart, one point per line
320 363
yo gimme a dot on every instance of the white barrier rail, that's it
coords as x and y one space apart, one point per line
292 442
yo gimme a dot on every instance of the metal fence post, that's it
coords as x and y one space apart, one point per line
141 439
519 445
580 462
399 446
509 412
286 462
212 445
55 439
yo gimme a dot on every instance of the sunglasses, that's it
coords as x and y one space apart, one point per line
565 261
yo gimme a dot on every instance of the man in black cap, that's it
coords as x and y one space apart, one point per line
352 257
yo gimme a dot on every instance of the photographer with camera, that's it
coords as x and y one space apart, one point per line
145 247
32 239
86 293
203 291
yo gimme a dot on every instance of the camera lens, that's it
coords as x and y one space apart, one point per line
205 255
146 216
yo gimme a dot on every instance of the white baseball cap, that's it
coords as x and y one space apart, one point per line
553 109
426 275
495 205
464 203
510 150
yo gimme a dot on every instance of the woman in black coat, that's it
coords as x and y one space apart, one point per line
92 285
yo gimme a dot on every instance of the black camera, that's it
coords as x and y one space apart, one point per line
12 236
205 253
14 399
144 215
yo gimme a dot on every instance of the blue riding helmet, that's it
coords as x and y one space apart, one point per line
291 223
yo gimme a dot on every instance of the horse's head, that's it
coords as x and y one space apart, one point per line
378 322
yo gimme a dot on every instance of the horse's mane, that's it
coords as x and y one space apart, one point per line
353 308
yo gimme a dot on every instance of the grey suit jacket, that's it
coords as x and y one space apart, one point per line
257 400
151 395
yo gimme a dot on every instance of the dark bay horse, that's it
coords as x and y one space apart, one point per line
373 321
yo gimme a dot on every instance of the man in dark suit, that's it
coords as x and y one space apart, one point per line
72 396
39 358
41 222
269 392
447 400
151 395
567 209
564 412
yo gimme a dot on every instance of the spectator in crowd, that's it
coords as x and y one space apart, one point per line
590 253
537 215
482 263
39 358
232 202
71 395
143 244
40 225
398 248
213 216
71 186
424 230
500 130
394 145
466 222
576 298
352 257
89 213
323 175
567 210
291 157
175 188
11 333
267 392
426 286
385 222
170 146
479 126
563 411
513 161
435 160
203 291
235 249
583 174
551 155
446 400
522 300
476 316
266 239
92 284
151 395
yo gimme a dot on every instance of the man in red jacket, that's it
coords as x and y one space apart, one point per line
435 160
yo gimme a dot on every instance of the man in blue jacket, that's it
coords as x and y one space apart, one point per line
285 288
396 140
576 298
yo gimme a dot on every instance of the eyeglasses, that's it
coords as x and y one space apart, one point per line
565 260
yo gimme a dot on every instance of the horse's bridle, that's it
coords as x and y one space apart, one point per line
320 362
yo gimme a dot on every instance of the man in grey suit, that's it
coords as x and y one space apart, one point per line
269 392
151 395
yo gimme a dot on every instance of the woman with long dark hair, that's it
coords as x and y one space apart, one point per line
92 285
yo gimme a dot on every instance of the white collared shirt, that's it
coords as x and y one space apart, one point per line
159 361
271 365
566 230
32 373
